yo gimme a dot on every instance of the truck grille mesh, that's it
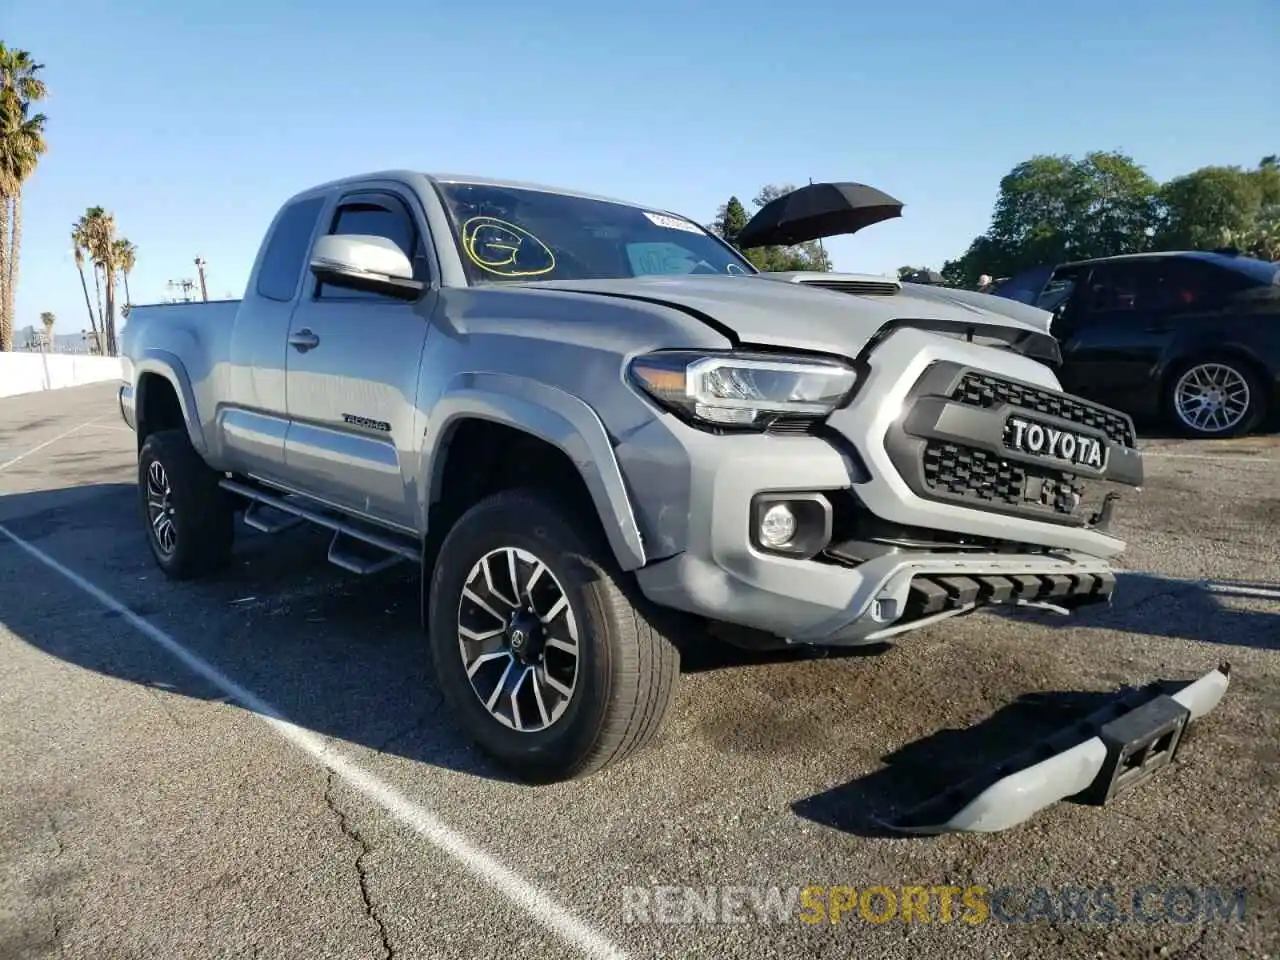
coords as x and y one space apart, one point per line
978 475
984 390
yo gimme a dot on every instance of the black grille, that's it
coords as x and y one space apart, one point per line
981 476
885 288
983 390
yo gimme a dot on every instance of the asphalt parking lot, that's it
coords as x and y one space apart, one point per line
259 766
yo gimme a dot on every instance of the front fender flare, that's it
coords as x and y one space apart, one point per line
552 415
167 365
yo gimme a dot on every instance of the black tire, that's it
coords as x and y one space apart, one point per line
1229 366
627 669
203 521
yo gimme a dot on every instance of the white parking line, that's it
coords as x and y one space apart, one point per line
40 446
539 905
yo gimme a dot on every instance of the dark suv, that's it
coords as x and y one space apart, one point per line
1191 337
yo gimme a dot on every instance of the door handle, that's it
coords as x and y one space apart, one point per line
304 340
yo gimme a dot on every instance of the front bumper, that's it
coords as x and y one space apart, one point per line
1096 759
994 539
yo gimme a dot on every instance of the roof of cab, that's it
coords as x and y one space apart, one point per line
408 176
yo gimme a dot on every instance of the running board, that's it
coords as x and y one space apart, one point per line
1094 760
344 552
254 518
345 549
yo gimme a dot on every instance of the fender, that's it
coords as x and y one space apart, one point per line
167 365
1188 347
560 419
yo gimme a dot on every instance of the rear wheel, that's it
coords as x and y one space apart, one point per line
536 646
189 518
1215 397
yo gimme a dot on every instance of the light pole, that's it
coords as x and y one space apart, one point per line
200 265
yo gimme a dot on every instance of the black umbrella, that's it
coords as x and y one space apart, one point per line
818 210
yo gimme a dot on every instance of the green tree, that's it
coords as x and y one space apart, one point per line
1052 208
22 144
1263 239
1267 176
1211 207
730 219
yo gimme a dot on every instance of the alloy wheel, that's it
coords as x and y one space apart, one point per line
160 509
518 637
1211 397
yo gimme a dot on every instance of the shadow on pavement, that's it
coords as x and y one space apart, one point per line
340 655
1146 603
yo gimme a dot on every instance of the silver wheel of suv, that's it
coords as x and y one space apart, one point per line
160 510
1211 397
518 637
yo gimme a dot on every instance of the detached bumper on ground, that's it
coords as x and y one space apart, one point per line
1132 738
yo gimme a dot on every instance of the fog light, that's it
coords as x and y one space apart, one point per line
777 526
796 525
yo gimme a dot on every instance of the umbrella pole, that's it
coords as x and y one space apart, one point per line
821 249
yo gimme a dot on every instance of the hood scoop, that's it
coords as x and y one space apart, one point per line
863 284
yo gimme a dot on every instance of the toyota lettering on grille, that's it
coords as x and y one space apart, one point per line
1045 441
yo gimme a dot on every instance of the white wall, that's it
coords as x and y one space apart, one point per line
29 372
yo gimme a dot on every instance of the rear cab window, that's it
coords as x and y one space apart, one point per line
287 248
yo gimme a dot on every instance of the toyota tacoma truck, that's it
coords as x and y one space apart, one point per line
599 430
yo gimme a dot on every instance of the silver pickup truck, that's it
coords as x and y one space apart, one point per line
599 430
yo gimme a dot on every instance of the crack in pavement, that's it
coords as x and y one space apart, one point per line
354 836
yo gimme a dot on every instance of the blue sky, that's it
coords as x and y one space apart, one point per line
191 122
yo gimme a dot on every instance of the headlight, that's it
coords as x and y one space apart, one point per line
744 390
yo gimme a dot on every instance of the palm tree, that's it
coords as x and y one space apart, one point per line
126 258
84 234
22 144
79 244
48 319
100 234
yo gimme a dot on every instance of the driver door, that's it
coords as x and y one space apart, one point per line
352 372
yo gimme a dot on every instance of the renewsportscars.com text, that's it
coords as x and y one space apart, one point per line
943 903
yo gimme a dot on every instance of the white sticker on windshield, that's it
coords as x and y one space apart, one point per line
672 223
659 259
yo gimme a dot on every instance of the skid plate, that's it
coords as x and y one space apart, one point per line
1094 760
933 594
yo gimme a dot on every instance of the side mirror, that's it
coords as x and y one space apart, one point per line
368 263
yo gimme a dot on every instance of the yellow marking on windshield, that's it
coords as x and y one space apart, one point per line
495 245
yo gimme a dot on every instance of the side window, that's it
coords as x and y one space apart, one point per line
1024 287
287 248
1194 285
1125 287
378 217
1168 286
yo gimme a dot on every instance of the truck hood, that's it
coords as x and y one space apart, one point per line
783 311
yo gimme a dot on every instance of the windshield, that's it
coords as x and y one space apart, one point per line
509 233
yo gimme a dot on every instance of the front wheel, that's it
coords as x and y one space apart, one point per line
1215 397
536 647
189 519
